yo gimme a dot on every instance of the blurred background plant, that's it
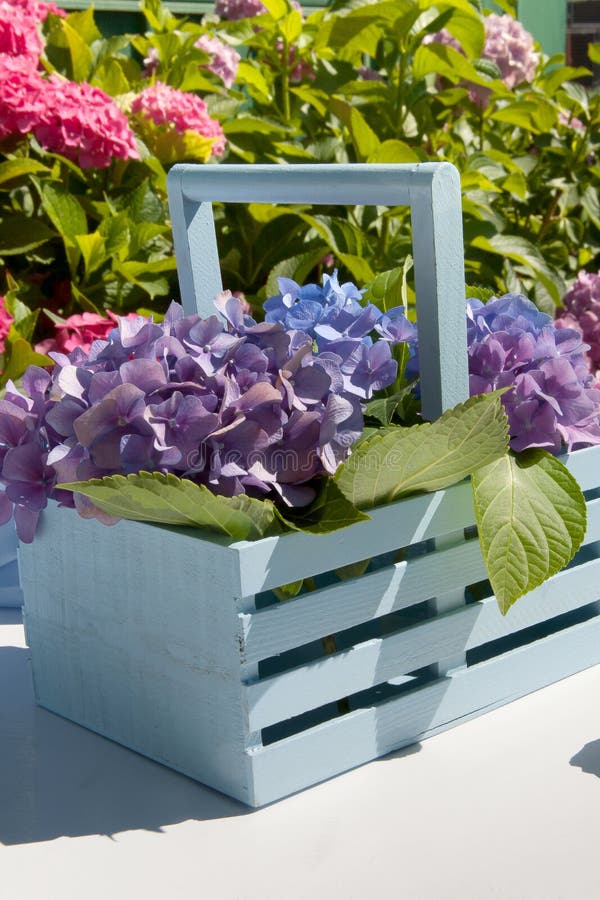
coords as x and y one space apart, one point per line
90 124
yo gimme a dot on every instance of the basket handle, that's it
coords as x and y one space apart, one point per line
432 190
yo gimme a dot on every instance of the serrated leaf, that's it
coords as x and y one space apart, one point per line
169 500
428 457
531 517
383 409
476 292
329 512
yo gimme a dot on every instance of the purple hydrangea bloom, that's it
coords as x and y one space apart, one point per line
554 402
234 405
224 59
342 327
582 312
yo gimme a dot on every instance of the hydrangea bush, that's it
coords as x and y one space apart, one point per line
88 127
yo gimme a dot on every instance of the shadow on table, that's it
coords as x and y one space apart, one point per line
588 759
57 779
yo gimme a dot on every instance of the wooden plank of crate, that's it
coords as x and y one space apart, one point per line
373 662
584 465
349 741
279 628
307 618
275 561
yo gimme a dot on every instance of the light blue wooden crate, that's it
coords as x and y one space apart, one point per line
172 643
10 590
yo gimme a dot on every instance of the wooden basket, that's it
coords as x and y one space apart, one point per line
172 642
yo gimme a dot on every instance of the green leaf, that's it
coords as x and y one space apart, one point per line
290 27
385 291
296 267
428 457
93 251
64 211
18 355
17 168
531 517
476 292
20 234
537 116
394 151
277 8
366 143
466 26
288 591
82 57
329 512
524 252
591 204
168 500
594 53
252 76
383 409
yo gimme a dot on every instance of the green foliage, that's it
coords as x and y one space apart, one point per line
395 461
166 499
531 518
527 156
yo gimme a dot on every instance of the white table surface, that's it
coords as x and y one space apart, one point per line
506 806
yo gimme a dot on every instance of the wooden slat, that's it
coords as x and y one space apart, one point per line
373 662
279 560
585 466
341 744
311 616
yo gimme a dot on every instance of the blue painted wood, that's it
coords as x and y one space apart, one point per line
160 649
432 190
150 635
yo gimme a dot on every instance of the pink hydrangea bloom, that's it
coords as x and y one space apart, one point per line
510 46
582 311
19 33
79 121
239 9
6 321
178 112
80 330
225 59
84 124
22 96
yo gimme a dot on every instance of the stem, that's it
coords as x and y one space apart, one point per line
285 82
400 91
548 216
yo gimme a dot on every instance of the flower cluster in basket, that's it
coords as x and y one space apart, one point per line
89 126
306 420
